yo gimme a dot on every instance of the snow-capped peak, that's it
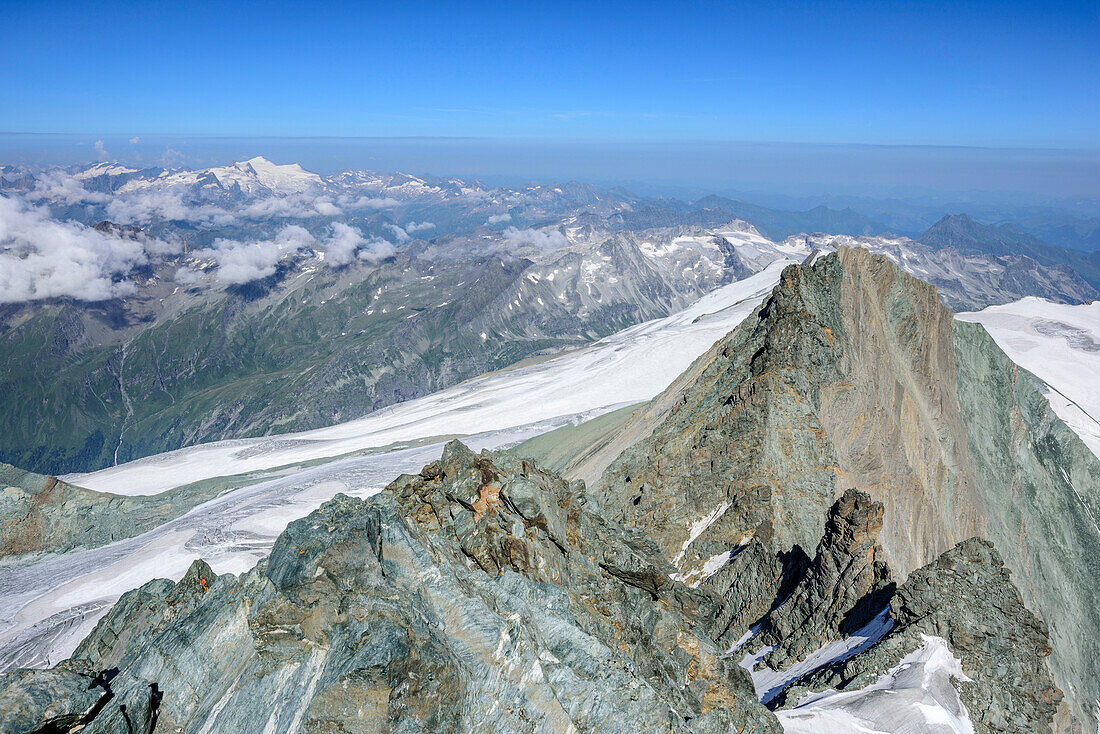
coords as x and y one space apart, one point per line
104 169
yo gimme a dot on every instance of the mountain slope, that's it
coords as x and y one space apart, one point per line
57 600
41 514
307 347
963 233
853 374
1060 344
540 615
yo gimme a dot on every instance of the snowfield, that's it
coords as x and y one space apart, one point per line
630 366
1059 344
51 604
916 697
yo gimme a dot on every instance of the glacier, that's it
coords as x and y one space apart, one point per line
1060 344
52 603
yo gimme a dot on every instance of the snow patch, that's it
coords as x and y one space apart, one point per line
917 696
770 683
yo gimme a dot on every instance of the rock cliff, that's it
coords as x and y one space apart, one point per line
854 375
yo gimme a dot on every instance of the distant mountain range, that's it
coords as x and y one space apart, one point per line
963 233
151 309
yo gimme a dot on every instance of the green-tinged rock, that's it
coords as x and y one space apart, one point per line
966 598
415 611
42 514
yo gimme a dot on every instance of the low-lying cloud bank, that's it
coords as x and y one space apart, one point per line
180 204
41 257
548 240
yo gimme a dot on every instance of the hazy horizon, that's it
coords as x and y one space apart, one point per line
666 168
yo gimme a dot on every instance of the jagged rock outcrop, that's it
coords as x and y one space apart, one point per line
740 445
842 589
966 598
42 514
481 595
853 374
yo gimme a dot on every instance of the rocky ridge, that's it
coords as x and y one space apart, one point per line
854 375
486 594
482 595
967 598
42 514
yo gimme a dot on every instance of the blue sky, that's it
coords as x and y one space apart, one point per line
971 74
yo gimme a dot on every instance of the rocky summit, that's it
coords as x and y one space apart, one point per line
482 595
854 375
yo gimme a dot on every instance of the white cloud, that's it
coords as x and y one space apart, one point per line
376 250
499 218
63 188
418 226
327 208
153 205
239 262
41 257
399 234
366 202
148 205
171 157
294 237
101 152
550 240
341 246
135 140
346 244
298 206
187 276
243 262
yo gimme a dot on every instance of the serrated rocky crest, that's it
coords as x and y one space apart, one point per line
481 595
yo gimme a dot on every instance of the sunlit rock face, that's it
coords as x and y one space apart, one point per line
853 374
481 595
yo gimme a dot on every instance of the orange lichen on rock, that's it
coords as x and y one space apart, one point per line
487 497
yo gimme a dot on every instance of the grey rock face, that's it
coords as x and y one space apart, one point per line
741 445
967 598
1041 487
853 374
481 595
846 585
